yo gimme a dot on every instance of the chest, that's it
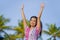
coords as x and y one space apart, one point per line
32 32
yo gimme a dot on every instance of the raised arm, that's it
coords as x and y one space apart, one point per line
23 16
39 16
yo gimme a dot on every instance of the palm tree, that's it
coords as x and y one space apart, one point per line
3 27
13 37
20 29
53 31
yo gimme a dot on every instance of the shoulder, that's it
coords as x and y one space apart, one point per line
27 28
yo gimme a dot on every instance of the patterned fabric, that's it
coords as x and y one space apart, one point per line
31 34
27 29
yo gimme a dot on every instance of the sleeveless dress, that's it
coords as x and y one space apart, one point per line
31 34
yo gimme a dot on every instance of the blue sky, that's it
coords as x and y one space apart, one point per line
11 9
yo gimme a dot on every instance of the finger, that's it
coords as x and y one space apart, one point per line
42 5
22 6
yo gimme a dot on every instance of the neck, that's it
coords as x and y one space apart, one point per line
32 27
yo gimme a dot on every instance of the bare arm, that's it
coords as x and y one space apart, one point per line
39 16
23 16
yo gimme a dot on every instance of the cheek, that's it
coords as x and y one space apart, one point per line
32 22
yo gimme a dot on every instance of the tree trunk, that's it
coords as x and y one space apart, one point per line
54 38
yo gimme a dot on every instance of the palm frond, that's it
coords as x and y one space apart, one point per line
46 32
52 29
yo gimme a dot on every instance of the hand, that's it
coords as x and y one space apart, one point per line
41 10
42 5
22 6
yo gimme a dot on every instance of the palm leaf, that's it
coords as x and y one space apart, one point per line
6 27
18 29
52 28
58 33
46 32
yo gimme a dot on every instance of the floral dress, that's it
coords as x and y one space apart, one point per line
31 34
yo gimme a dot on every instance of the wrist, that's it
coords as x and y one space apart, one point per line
22 8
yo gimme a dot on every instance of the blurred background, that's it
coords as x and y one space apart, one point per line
11 26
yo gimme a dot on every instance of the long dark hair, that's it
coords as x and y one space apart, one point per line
36 24
40 28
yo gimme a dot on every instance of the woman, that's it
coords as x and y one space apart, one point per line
32 31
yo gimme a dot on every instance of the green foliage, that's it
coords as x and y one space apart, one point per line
52 30
3 20
3 27
20 28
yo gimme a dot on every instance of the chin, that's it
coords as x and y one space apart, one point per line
33 25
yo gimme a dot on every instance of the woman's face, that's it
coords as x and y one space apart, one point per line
33 22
